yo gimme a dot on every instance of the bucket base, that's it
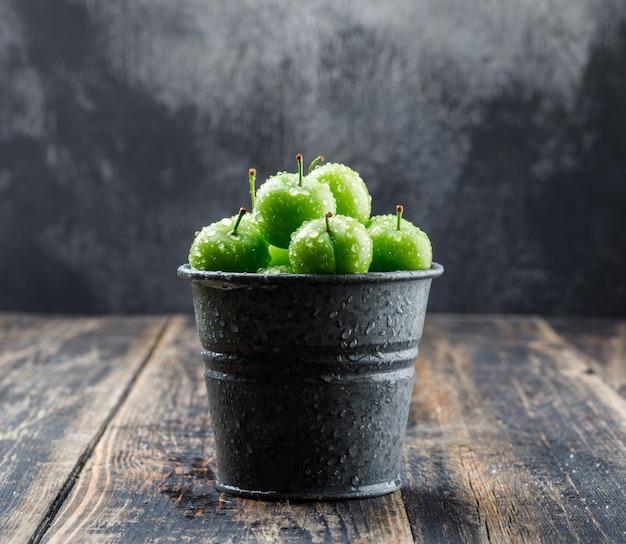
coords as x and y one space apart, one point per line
361 492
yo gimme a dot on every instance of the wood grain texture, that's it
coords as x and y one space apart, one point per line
603 343
516 434
60 380
151 476
511 439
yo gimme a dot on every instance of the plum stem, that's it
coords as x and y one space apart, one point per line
242 212
252 177
331 235
399 210
327 217
299 159
315 163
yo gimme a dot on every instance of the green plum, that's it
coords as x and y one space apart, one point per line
233 244
279 256
287 200
348 188
331 244
398 244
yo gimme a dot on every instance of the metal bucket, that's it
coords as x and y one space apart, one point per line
309 378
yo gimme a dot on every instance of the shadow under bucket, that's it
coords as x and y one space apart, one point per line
309 378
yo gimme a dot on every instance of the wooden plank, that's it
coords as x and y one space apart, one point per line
511 439
603 343
151 476
60 380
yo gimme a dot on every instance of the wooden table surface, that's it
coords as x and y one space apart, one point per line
517 433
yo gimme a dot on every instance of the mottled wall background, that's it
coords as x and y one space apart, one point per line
127 125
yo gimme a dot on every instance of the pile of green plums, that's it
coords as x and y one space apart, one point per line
318 223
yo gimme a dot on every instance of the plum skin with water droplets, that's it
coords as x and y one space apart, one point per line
288 201
282 205
408 248
348 188
346 249
216 248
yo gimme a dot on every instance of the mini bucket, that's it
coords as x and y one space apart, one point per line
309 378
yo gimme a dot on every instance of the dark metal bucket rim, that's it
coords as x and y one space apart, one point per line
252 278
306 495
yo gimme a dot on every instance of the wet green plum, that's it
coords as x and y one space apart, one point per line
348 188
331 245
398 244
285 201
279 256
233 244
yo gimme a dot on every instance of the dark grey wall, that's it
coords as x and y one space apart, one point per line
127 125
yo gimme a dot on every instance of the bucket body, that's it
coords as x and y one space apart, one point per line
309 378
